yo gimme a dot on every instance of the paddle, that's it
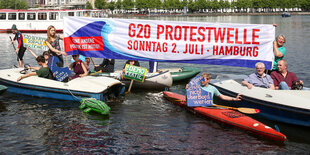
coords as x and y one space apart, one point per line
240 109
14 49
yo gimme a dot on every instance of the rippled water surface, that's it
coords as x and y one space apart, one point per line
145 123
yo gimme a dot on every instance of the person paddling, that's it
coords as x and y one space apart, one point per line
211 89
20 50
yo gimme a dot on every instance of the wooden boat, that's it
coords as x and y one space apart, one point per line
184 73
287 106
37 21
3 89
153 81
100 88
229 117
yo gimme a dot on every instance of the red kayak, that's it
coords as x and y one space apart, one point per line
227 116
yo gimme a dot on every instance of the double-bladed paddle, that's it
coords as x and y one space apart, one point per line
241 109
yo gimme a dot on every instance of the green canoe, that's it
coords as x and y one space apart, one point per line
184 73
3 89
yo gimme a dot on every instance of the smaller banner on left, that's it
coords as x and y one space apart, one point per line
35 42
135 73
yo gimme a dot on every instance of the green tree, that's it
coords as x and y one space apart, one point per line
192 7
88 5
128 4
201 5
13 4
141 5
118 4
100 4
111 6
305 5
215 5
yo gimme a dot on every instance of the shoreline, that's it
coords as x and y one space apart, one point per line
206 14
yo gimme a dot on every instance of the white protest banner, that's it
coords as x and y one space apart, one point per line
35 42
227 44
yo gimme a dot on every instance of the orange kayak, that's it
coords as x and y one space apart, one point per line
229 117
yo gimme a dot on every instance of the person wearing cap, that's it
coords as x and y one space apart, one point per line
20 50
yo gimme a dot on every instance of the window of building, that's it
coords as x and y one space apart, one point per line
42 16
12 16
21 16
31 16
2 16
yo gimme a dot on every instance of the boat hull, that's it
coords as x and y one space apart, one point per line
153 81
73 90
3 89
229 117
276 105
183 74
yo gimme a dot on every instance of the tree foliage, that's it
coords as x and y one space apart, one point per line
13 4
212 5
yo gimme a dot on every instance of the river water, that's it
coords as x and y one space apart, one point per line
145 123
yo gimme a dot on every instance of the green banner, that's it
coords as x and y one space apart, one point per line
35 42
134 73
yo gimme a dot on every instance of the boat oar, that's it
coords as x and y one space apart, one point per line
14 49
241 109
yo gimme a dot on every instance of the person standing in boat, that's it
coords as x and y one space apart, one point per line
259 78
283 79
44 71
78 66
20 50
211 89
53 44
279 51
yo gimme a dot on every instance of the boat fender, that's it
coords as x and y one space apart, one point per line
91 104
277 128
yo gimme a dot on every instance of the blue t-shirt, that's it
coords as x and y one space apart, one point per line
277 59
211 89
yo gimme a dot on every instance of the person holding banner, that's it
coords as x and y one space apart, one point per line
259 78
78 67
279 51
46 54
53 44
211 89
44 71
20 50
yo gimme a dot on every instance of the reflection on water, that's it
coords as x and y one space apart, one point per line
144 122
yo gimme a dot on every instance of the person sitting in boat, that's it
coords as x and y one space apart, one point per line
131 62
78 66
107 65
283 79
46 54
52 42
20 50
44 71
87 63
279 51
211 89
259 78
